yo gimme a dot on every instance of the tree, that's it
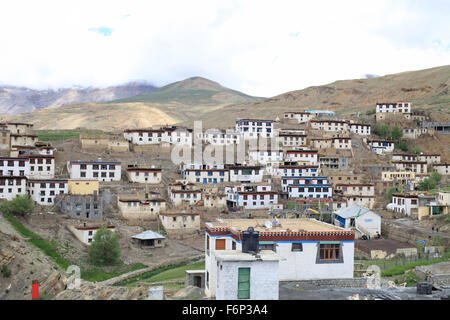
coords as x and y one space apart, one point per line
416 150
396 133
436 176
19 206
384 131
402 145
104 250
390 192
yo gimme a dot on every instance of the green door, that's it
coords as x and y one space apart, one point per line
244 283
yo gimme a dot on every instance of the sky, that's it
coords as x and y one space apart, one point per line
263 48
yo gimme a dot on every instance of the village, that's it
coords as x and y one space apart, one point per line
302 199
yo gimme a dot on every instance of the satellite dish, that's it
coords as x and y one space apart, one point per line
268 224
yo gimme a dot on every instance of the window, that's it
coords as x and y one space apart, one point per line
243 283
329 252
297 247
220 244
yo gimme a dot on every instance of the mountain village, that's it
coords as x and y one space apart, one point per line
300 199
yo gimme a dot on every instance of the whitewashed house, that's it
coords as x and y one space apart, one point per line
206 176
296 171
361 129
404 203
330 125
302 180
310 157
251 197
442 168
19 167
41 166
44 192
386 109
220 137
265 156
309 249
140 174
96 170
247 174
300 116
12 186
254 128
381 146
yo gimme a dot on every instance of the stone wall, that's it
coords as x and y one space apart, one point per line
407 235
333 283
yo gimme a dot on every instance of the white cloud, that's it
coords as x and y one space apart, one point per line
261 47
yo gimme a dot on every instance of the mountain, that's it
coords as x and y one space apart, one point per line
192 91
216 106
14 100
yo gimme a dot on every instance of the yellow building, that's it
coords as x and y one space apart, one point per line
83 186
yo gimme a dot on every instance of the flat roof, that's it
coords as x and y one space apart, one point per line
293 225
235 255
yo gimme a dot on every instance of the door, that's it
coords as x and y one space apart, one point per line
205 180
198 281
244 283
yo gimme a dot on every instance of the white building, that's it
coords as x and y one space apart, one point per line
254 128
247 174
361 219
172 135
41 166
387 108
206 176
96 170
310 157
309 249
19 167
301 180
220 137
185 197
290 139
360 128
330 125
318 191
12 186
296 171
44 192
381 146
301 117
251 197
86 233
148 175
413 166
244 276
265 156
442 168
404 203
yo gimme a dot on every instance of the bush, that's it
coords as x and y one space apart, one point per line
19 206
5 271
416 150
402 145
396 134
104 250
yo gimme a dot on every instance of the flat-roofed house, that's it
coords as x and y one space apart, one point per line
144 206
405 203
12 186
44 191
361 129
85 233
179 225
442 168
307 156
381 146
99 170
251 196
309 249
143 174
247 174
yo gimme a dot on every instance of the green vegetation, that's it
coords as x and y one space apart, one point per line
97 274
50 249
176 273
416 150
396 134
105 250
43 296
19 206
401 269
152 273
402 145
431 182
390 192
410 278
188 92
5 271
61 135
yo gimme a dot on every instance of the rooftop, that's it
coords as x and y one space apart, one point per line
149 234
294 225
235 255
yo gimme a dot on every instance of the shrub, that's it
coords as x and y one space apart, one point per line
5 271
104 250
19 206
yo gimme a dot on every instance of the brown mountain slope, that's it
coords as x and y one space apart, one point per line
426 89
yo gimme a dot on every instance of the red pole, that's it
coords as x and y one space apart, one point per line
35 290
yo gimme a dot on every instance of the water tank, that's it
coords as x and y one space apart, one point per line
250 241
424 288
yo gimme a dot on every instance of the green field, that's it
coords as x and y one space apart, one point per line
61 135
176 273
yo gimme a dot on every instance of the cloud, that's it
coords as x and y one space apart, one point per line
259 47
102 30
